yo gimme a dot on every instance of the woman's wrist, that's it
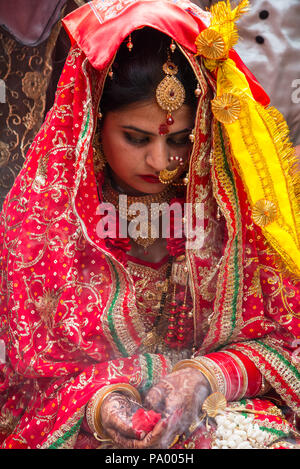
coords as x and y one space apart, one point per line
93 408
228 372
195 364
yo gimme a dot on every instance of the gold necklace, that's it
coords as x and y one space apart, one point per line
112 195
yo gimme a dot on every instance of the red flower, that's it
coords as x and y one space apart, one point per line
145 421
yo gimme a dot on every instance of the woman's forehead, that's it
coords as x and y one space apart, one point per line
148 116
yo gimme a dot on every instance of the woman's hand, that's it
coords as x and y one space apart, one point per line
116 419
179 398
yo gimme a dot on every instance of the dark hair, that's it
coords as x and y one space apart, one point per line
136 74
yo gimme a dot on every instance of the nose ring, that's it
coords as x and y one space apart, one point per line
167 176
177 158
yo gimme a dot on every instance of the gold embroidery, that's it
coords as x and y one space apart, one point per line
255 287
8 421
149 286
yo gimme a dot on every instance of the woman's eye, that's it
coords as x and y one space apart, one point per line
136 140
179 142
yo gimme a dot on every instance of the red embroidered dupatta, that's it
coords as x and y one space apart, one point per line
68 316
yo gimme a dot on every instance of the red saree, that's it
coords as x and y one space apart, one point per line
69 318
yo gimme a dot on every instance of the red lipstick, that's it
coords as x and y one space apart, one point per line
150 178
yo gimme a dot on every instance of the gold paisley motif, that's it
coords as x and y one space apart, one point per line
210 44
226 108
264 212
170 94
46 306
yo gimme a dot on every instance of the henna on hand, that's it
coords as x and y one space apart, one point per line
116 418
116 413
178 397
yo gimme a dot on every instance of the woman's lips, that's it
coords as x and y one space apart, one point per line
150 178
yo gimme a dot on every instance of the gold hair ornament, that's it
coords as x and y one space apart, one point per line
129 43
170 93
253 131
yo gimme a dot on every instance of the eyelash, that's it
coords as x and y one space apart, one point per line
145 140
135 140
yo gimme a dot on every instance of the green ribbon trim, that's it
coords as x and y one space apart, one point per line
86 124
279 433
60 441
235 257
110 318
149 381
289 365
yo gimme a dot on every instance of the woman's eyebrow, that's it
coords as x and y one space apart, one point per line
136 129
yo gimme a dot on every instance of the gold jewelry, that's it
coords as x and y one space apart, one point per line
168 176
173 46
111 73
215 370
98 155
111 195
192 136
129 43
93 409
185 180
195 364
170 93
198 91
176 439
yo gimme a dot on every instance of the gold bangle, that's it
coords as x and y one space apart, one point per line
216 371
195 364
93 409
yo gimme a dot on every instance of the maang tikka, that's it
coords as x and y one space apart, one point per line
170 93
170 96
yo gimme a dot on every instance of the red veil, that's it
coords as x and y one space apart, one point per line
69 320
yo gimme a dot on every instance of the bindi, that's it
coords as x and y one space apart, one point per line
163 129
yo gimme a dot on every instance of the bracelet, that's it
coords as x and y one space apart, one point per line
93 409
241 391
194 363
254 376
217 372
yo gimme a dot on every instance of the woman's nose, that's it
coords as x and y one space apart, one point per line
158 156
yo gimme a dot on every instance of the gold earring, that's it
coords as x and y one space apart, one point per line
129 43
98 156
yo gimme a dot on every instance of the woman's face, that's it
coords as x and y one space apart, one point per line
136 151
